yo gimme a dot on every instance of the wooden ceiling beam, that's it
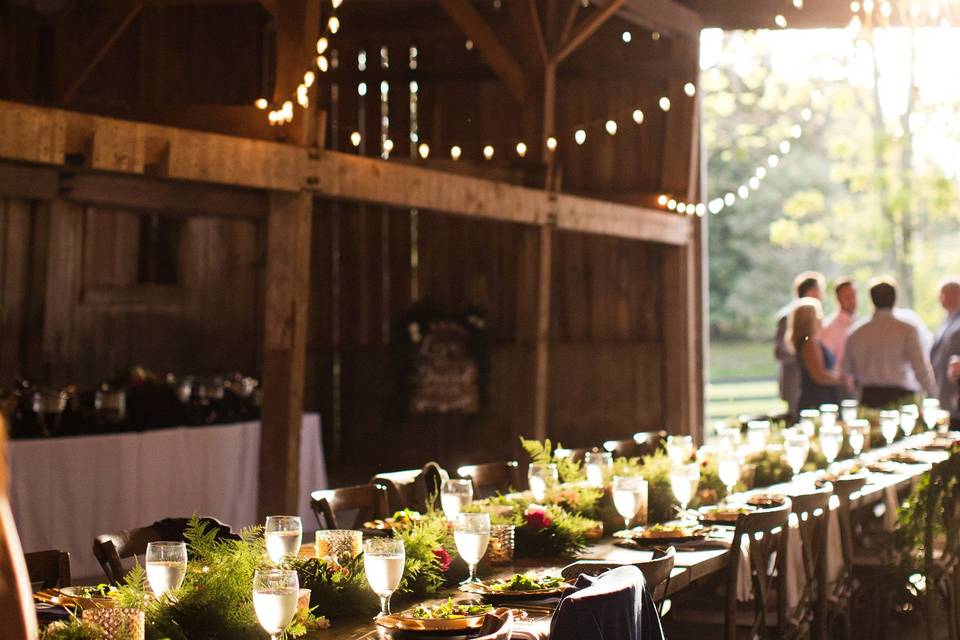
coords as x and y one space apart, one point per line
669 17
472 24
529 30
584 30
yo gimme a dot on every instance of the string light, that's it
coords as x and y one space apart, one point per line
322 45
611 127
309 78
626 36
552 143
424 150
754 182
798 4
362 89
681 207
637 116
261 103
664 103
743 192
469 45
729 199
323 64
355 138
796 131
671 204
784 147
488 152
333 24
662 200
580 136
701 209
690 89
521 149
455 152
780 21
760 173
336 3
773 160
388 145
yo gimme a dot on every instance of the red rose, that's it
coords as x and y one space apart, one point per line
443 557
538 519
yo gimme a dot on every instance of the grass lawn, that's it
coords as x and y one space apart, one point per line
743 379
742 360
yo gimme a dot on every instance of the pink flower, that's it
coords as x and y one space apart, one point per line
538 518
443 557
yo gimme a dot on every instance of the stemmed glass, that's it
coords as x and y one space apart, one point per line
541 478
889 423
471 533
757 433
629 496
858 434
455 496
283 536
808 421
831 440
728 467
383 561
730 437
828 415
679 448
943 422
684 480
599 465
797 445
166 566
908 418
275 596
931 412
849 409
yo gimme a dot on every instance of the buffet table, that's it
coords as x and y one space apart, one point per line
65 491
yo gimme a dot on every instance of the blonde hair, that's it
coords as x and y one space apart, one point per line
804 315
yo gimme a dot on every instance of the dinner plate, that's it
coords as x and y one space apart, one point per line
721 515
404 622
487 592
646 537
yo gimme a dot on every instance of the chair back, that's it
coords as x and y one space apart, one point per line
432 476
649 442
844 487
364 502
492 477
49 569
622 448
766 533
111 548
812 514
401 487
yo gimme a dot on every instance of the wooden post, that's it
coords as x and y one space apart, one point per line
287 288
541 390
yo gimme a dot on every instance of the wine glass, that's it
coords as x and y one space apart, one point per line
849 410
276 593
599 465
889 423
383 561
908 418
943 422
728 467
931 412
831 440
858 430
730 437
757 433
166 566
796 443
283 536
471 533
828 415
679 448
629 497
542 477
684 480
808 421
455 496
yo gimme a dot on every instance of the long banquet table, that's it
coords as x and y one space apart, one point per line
65 491
692 565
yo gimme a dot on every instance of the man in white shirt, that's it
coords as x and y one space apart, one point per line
836 325
947 344
883 355
808 284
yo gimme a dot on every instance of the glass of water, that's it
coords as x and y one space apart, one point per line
383 561
857 434
166 566
797 446
276 593
599 465
471 533
828 415
849 409
283 536
889 423
808 421
931 412
629 497
684 481
542 477
831 440
908 418
728 468
680 449
757 433
455 496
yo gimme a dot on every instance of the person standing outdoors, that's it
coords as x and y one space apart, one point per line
947 344
836 326
883 356
808 284
819 382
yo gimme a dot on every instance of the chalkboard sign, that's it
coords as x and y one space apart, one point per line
445 374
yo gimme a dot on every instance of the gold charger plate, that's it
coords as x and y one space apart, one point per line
401 622
486 589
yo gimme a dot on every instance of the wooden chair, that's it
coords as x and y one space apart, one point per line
366 502
941 557
649 442
622 448
413 488
841 590
50 569
111 549
492 477
812 513
432 476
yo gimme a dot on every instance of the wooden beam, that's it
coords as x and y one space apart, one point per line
25 181
98 44
585 30
462 13
284 350
541 388
528 30
570 20
668 17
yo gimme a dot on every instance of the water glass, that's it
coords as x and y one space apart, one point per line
679 448
728 468
166 564
730 438
684 481
542 477
283 536
455 496
630 498
599 466
889 423
858 430
943 422
828 415
831 440
808 421
849 409
908 418
758 431
471 533
383 561
796 443
276 594
931 412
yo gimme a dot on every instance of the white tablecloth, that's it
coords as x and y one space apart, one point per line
65 491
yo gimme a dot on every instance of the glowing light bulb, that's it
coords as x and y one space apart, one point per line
664 103
455 152
785 147
743 192
322 45
626 36
388 145
690 89
261 103
780 21
773 160
681 207
655 36
729 199
796 131
336 3
611 127
671 204
355 138
333 24
806 114
798 4
700 209
754 183
488 152
580 136
761 173
854 7
662 200
309 78
868 6
885 9
424 150
468 45
521 149
323 64
638 116
552 143
716 206
362 89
